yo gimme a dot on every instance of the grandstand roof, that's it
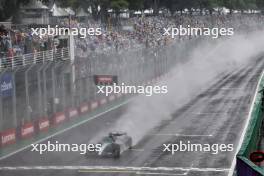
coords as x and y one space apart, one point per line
81 13
57 11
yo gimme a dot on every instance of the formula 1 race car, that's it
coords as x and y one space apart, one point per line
114 144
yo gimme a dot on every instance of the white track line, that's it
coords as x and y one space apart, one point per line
233 165
208 113
157 173
115 168
67 129
137 150
227 88
182 135
129 172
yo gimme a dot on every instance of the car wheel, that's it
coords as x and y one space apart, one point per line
116 151
130 144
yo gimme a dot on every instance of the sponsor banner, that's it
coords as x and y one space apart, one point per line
105 79
6 85
27 130
112 98
59 118
43 124
94 105
103 101
8 137
73 112
84 108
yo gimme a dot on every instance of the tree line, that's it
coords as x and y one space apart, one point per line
9 8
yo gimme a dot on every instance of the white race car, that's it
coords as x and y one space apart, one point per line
114 144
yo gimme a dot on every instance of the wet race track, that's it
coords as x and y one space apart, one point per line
216 116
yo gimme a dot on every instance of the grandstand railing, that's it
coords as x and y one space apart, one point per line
34 58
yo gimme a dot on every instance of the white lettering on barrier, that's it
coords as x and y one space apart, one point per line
94 105
8 138
60 118
103 101
84 109
73 113
28 130
43 125
105 79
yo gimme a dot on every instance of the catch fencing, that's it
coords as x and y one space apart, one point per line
42 90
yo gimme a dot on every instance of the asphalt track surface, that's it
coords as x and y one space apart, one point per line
216 115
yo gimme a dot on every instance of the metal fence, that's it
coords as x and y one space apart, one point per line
28 85
132 67
33 58
36 87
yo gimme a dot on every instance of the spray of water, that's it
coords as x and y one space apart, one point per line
203 64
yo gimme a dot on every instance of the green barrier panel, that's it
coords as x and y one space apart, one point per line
252 139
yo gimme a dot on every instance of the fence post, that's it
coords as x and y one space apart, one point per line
40 97
23 60
43 56
27 94
1 105
63 92
14 99
45 90
34 57
13 62
53 77
1 59
52 54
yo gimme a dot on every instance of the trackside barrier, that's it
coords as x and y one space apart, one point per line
46 89
94 105
43 124
8 137
27 130
103 101
112 98
58 118
73 113
84 108
252 138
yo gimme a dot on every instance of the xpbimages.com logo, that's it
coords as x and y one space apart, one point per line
197 31
55 31
59 147
125 89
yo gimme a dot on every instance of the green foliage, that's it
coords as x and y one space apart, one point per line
135 4
9 8
118 5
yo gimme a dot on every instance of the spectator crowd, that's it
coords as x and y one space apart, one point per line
136 32
148 31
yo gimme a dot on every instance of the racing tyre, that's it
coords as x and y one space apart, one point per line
130 143
116 151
